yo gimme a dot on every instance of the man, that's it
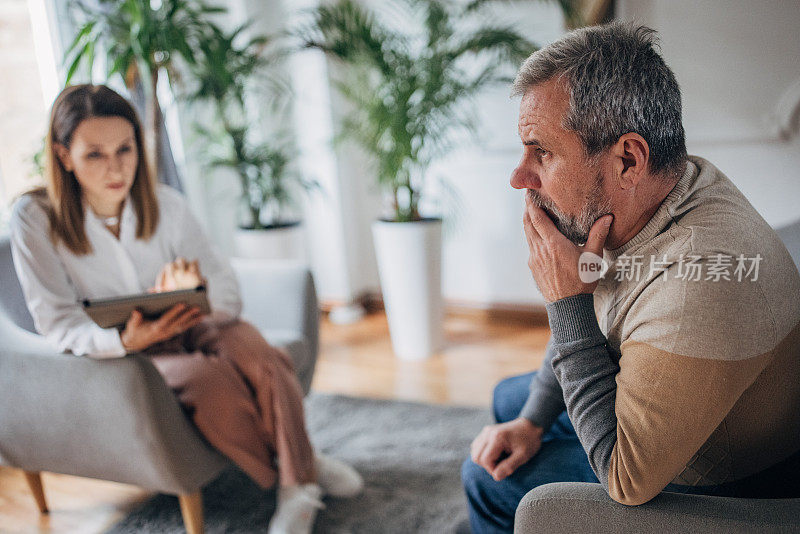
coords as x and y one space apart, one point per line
680 367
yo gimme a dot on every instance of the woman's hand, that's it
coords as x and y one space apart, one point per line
140 333
179 274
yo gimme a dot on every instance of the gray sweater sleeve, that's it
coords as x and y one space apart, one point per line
587 374
545 401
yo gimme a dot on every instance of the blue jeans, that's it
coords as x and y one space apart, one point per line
561 459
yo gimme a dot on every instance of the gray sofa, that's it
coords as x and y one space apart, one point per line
116 419
569 507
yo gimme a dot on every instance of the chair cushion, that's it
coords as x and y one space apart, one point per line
790 235
12 302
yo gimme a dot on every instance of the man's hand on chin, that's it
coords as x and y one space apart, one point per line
553 259
502 448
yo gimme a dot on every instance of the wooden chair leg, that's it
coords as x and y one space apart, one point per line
34 479
192 512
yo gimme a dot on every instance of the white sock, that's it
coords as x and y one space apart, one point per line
336 478
297 509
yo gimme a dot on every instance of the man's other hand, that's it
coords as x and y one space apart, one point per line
502 448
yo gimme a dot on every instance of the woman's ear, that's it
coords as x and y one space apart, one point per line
63 156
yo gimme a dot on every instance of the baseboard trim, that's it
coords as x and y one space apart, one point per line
529 314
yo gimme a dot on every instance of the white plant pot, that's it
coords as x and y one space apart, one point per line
409 258
279 243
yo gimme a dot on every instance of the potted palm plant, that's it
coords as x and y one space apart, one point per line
270 181
408 91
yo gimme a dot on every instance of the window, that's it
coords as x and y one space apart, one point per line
27 90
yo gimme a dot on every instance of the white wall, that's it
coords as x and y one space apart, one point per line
735 61
215 196
484 258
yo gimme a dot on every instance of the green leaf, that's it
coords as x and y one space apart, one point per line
79 57
410 92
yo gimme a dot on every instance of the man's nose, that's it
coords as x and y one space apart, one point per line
525 178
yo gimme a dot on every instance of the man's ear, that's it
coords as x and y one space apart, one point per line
63 156
631 157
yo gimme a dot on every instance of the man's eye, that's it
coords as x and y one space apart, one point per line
540 151
94 155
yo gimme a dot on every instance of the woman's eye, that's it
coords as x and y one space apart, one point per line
124 149
94 155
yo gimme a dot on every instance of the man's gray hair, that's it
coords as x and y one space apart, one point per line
617 83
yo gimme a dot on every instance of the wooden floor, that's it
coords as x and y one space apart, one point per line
358 360
354 360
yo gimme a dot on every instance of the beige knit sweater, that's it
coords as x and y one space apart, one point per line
690 372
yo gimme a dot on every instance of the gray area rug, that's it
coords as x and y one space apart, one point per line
410 455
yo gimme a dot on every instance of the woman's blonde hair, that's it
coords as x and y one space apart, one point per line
66 211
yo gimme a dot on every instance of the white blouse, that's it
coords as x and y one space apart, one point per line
55 280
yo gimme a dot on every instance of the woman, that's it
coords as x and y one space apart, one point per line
100 228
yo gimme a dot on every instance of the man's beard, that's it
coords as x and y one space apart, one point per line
576 228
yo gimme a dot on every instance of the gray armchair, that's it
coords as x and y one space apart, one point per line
116 419
567 507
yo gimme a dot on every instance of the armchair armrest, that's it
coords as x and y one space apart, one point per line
566 507
279 295
109 419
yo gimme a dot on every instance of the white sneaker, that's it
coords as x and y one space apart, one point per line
336 478
297 509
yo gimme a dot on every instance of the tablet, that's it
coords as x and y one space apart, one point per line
114 312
